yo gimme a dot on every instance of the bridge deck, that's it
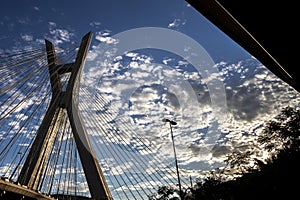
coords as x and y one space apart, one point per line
11 190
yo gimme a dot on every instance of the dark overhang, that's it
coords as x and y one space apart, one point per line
266 29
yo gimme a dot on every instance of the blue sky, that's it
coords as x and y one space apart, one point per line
33 17
146 85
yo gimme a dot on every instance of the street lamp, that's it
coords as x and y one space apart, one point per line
177 170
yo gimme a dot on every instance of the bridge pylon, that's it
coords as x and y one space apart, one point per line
64 100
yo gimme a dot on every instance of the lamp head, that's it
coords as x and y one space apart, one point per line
170 121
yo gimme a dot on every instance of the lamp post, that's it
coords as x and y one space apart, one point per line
176 164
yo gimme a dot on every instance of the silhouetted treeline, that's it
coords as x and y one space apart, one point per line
276 178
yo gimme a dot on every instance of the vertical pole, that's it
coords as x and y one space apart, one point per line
176 163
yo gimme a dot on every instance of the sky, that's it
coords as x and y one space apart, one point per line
151 60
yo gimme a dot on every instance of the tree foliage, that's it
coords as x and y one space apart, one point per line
275 179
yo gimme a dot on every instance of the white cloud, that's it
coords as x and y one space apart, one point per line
176 23
27 37
104 37
145 105
59 35
95 24
138 93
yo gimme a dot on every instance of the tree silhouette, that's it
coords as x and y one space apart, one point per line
282 133
165 193
276 178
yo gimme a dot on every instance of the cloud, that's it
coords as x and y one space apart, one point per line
104 36
95 24
59 35
147 101
123 102
27 37
176 23
253 95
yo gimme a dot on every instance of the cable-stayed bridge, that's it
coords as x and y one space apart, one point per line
55 145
